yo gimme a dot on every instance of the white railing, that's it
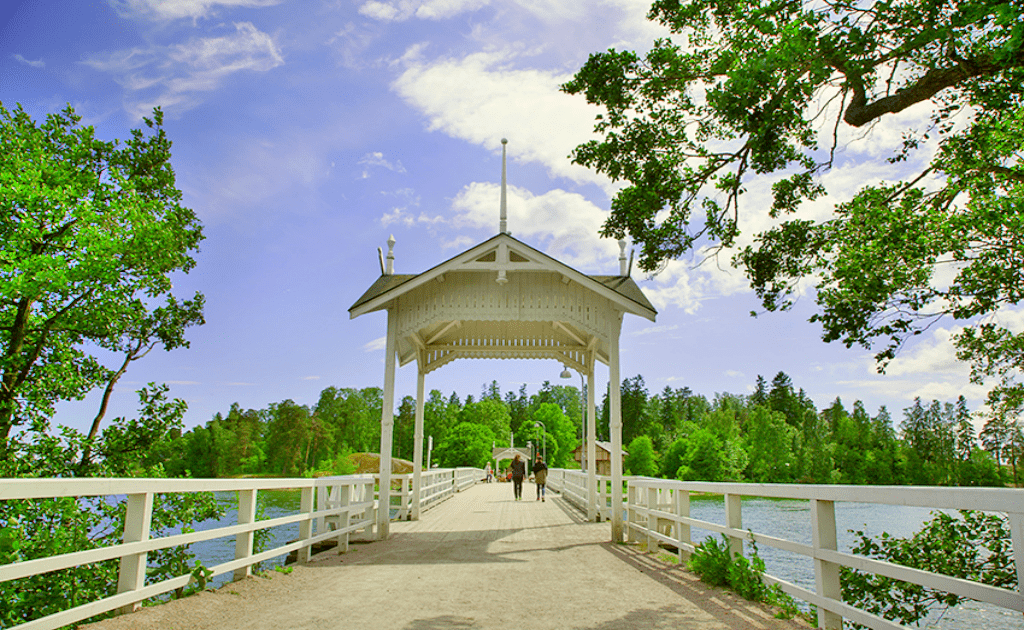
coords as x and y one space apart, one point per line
658 511
346 505
436 485
573 486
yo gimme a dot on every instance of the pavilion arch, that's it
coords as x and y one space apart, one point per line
502 299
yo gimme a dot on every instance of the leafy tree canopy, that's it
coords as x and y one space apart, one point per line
90 232
769 88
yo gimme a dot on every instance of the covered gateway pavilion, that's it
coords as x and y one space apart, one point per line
502 299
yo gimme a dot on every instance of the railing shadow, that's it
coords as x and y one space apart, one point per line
725 606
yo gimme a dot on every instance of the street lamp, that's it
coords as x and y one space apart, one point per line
543 438
583 418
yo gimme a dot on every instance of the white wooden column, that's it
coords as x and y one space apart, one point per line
826 574
417 458
593 514
615 422
137 520
387 422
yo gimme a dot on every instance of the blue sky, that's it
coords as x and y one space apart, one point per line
305 133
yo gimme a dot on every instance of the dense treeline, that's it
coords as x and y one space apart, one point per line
773 435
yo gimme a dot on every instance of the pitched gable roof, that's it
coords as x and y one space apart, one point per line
520 256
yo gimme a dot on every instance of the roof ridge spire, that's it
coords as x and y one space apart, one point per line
503 223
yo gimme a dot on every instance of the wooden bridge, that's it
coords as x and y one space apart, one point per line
477 559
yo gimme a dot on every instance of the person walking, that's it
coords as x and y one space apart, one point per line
540 477
518 474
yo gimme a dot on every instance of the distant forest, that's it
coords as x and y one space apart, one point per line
774 435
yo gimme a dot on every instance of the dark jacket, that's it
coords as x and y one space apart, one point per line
518 468
540 471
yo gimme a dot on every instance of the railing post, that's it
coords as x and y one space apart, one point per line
243 541
406 499
630 512
321 501
826 574
1017 538
305 526
681 499
652 520
734 520
344 519
137 519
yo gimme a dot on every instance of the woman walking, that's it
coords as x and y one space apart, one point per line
540 477
518 473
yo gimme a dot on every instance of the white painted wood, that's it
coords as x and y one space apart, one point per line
615 420
652 520
417 453
387 422
681 507
734 520
593 514
1016 519
306 525
826 574
244 540
823 550
132 575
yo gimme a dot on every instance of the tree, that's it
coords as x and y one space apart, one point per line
491 413
562 438
761 89
641 459
90 232
467 444
769 445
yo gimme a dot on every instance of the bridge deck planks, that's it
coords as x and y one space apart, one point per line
477 561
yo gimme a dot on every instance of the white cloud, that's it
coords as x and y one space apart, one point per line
733 373
562 224
173 76
380 343
39 63
401 217
311 378
175 9
650 330
398 10
482 98
377 159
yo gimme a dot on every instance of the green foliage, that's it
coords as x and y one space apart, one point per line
711 559
640 459
466 445
90 233
201 575
976 546
43 528
768 91
716 565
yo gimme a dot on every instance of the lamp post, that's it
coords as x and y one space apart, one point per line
543 438
583 418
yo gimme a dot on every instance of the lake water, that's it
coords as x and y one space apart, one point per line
790 520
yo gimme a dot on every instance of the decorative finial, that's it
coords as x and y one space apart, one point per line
391 255
622 258
503 223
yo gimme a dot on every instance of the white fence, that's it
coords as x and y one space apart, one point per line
436 485
658 511
572 485
336 506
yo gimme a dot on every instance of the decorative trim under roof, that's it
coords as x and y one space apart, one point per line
620 289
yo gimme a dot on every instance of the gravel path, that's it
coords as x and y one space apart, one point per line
477 561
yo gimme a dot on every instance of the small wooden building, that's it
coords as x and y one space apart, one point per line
603 457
